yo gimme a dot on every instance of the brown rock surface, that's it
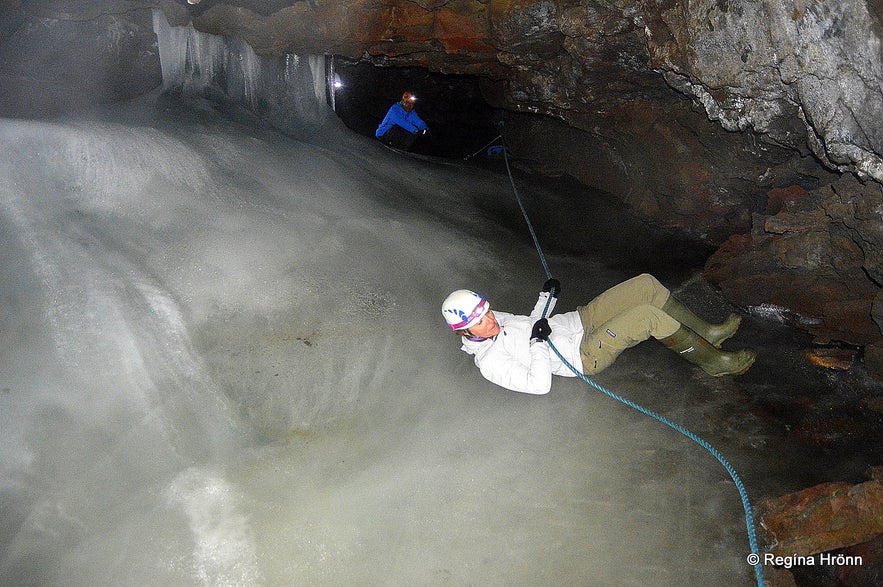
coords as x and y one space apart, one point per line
823 518
808 263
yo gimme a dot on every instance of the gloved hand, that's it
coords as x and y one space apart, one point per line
424 131
541 330
552 285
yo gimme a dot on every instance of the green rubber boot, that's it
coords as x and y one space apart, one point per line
713 333
712 360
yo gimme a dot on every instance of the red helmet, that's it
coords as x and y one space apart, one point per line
409 97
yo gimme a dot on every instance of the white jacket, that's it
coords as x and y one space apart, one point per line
512 361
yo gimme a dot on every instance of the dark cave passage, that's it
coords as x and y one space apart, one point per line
459 119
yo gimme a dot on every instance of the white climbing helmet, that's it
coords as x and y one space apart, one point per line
463 309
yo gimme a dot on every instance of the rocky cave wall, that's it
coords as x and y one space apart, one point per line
753 126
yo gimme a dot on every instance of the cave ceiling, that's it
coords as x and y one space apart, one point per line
805 75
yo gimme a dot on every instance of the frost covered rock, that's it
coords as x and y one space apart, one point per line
764 65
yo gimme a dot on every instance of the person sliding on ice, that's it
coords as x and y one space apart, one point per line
401 126
512 351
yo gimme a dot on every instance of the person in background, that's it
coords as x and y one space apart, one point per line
513 351
401 126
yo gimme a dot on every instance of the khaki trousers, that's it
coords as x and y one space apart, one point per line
620 318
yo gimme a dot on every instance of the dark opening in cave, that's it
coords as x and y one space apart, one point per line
459 120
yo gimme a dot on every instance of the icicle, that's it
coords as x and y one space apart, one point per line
291 63
172 44
332 83
317 69
288 92
250 72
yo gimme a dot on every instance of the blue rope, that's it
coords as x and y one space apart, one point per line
749 518
533 234
743 494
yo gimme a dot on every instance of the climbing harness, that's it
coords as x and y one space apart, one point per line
753 558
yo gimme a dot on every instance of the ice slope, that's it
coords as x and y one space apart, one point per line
224 364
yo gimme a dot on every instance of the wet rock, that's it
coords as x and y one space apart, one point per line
832 358
811 260
823 518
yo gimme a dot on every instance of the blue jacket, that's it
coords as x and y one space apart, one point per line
398 115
